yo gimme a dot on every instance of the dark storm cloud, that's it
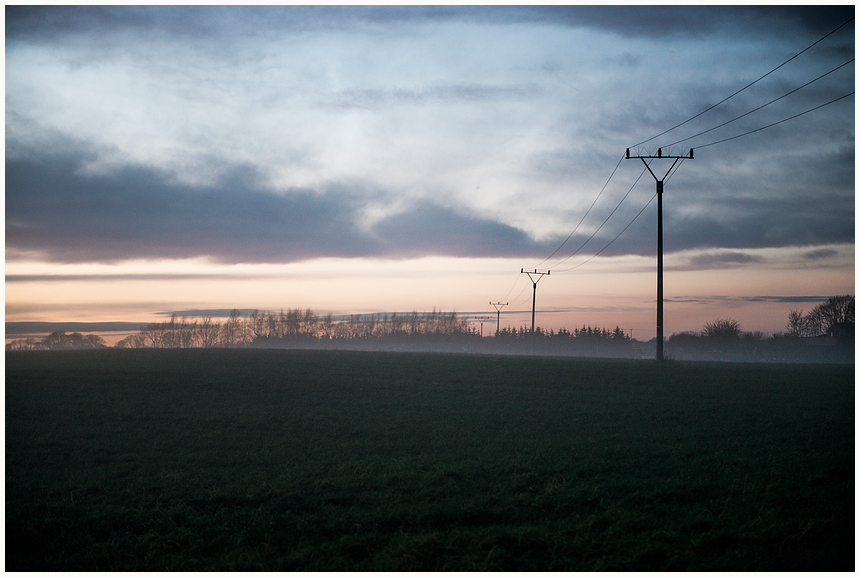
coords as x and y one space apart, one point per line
659 21
428 228
138 212
764 224
820 254
723 259
103 278
628 21
53 206
710 300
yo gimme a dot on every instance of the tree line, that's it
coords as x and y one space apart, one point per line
58 341
808 337
291 326
836 310
441 331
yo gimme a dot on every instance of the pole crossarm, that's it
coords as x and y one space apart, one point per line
481 320
535 272
660 155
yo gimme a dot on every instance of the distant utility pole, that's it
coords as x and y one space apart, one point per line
538 276
660 238
499 306
481 320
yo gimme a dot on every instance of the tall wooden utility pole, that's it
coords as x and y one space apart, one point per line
538 276
499 306
660 238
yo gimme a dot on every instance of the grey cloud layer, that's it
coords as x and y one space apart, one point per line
629 21
52 206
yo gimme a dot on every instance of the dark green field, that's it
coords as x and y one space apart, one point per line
303 460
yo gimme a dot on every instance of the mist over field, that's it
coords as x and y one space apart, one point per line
824 334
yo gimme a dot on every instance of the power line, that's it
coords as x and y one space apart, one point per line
669 176
696 116
717 142
779 122
613 240
605 220
745 87
583 216
760 107
512 286
677 166
519 302
671 173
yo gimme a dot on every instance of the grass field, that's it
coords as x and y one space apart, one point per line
325 460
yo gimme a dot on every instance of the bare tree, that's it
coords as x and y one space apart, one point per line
798 324
327 327
207 332
186 333
137 341
838 309
232 329
723 329
257 325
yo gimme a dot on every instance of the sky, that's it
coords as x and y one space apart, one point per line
400 158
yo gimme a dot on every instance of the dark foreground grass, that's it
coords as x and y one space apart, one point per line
302 460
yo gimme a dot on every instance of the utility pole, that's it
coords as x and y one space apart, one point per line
538 276
481 320
660 238
499 306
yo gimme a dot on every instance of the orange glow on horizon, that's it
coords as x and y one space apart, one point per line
608 292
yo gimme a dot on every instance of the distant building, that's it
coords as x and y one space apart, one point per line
841 331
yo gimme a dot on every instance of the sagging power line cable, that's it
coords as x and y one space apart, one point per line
760 107
583 216
519 302
745 87
614 239
668 176
778 122
604 221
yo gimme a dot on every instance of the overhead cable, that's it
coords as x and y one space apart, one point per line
583 216
605 220
760 107
614 239
670 175
778 122
745 87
